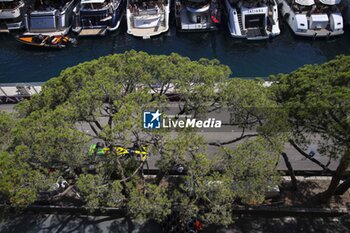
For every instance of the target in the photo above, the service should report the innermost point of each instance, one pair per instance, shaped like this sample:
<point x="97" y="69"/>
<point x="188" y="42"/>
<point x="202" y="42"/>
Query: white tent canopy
<point x="330" y="2"/>
<point x="305" y="2"/>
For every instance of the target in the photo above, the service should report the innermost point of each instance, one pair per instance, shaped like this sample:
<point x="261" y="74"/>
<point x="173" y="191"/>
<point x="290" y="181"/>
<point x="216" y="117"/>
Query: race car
<point x="99" y="149"/>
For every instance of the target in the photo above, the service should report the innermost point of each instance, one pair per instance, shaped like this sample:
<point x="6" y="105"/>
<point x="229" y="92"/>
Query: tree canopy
<point x="317" y="98"/>
<point x="103" y="101"/>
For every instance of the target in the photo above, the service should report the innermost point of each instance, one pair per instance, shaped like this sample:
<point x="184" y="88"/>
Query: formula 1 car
<point x="99" y="149"/>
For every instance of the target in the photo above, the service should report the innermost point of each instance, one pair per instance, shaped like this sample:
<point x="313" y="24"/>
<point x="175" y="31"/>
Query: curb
<point x="291" y="211"/>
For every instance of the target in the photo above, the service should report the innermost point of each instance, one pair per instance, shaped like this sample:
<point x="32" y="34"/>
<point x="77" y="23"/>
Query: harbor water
<point x="283" y="54"/>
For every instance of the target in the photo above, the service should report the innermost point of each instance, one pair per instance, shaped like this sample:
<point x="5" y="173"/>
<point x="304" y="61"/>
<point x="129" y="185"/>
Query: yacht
<point x="11" y="15"/>
<point x="194" y="15"/>
<point x="50" y="17"/>
<point x="146" y="18"/>
<point x="313" y="19"/>
<point x="252" y="20"/>
<point x="96" y="17"/>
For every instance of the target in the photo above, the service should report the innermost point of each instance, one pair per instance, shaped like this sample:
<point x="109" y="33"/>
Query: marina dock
<point x="13" y="93"/>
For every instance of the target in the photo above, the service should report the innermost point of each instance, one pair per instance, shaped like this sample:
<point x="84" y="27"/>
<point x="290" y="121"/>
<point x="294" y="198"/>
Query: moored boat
<point x="46" y="41"/>
<point x="50" y="17"/>
<point x="197" y="15"/>
<point x="146" y="18"/>
<point x="96" y="17"/>
<point x="11" y="15"/>
<point x="252" y="20"/>
<point x="309" y="18"/>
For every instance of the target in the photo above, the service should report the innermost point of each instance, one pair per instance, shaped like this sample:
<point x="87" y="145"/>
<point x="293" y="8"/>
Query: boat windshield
<point x="146" y="4"/>
<point x="323" y="8"/>
<point x="317" y="8"/>
<point x="196" y="3"/>
<point x="300" y="8"/>
<point x="94" y="6"/>
<point x="251" y="3"/>
<point x="48" y="5"/>
<point x="9" y="5"/>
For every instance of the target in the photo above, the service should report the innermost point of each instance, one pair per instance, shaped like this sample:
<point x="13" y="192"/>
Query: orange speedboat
<point x="46" y="41"/>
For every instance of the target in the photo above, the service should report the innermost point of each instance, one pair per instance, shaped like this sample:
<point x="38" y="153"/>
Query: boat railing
<point x="13" y="7"/>
<point x="96" y="7"/>
<point x="150" y="11"/>
<point x="50" y="8"/>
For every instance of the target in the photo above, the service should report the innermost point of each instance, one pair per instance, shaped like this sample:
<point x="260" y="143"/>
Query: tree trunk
<point x="290" y="170"/>
<point x="343" y="187"/>
<point x="343" y="165"/>
<point x="123" y="182"/>
<point x="159" y="177"/>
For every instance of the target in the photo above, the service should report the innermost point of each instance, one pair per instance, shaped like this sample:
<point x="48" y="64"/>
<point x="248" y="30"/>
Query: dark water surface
<point x="19" y="63"/>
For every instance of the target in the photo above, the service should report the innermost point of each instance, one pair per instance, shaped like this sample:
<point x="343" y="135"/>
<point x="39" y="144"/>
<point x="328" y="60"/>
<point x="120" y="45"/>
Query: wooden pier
<point x="93" y="32"/>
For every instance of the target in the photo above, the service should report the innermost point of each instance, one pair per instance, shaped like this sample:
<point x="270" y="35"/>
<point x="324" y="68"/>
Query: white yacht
<point x="50" y="17"/>
<point x="146" y="18"/>
<point x="313" y="19"/>
<point x="11" y="15"/>
<point x="252" y="20"/>
<point x="194" y="15"/>
<point x="96" y="17"/>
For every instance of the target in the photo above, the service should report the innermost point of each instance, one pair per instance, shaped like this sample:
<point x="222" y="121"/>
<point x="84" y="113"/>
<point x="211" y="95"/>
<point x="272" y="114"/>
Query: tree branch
<point x="325" y="168"/>
<point x="98" y="124"/>
<point x="232" y="141"/>
<point x="93" y="128"/>
<point x="133" y="174"/>
<point x="291" y="171"/>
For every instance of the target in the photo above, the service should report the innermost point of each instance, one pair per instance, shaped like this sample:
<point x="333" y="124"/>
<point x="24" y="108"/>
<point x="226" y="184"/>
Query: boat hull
<point x="12" y="19"/>
<point x="50" y="22"/>
<point x="56" y="42"/>
<point x="300" y="23"/>
<point x="265" y="17"/>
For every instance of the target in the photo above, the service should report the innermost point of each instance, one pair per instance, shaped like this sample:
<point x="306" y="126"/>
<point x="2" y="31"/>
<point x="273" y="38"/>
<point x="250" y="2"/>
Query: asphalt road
<point x="298" y="161"/>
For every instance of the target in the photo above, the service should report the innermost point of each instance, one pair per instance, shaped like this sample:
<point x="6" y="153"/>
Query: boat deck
<point x="47" y="33"/>
<point x="320" y="33"/>
<point x="93" y="32"/>
<point x="256" y="33"/>
<point x="147" y="32"/>
<point x="3" y="27"/>
<point x="3" y="30"/>
<point x="186" y="24"/>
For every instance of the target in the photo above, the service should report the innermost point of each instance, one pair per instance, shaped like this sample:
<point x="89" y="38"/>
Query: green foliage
<point x="97" y="193"/>
<point x="177" y="147"/>
<point x="52" y="138"/>
<point x="19" y="182"/>
<point x="317" y="98"/>
<point x="251" y="106"/>
<point x="209" y="190"/>
<point x="103" y="100"/>
<point x="252" y="168"/>
<point x="150" y="202"/>
<point x="7" y="123"/>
